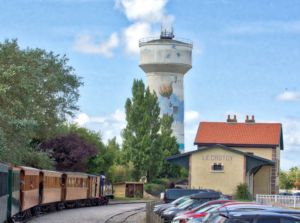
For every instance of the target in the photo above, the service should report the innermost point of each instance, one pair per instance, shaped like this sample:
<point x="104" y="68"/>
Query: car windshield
<point x="201" y="206"/>
<point x="185" y="204"/>
<point x="180" y="200"/>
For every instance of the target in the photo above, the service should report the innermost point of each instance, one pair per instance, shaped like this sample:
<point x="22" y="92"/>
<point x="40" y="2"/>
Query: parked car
<point x="234" y="207"/>
<point x="170" y="213"/>
<point x="296" y="194"/>
<point x="172" y="194"/>
<point x="195" y="201"/>
<point x="284" y="211"/>
<point x="252" y="217"/>
<point x="161" y="207"/>
<point x="201" y="213"/>
<point x="182" y="216"/>
<point x="285" y="194"/>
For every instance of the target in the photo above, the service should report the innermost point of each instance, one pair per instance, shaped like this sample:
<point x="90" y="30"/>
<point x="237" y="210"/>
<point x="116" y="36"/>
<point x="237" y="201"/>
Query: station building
<point x="229" y="153"/>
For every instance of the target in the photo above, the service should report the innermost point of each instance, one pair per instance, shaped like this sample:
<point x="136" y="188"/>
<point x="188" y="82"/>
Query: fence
<point x="279" y="200"/>
<point x="151" y="217"/>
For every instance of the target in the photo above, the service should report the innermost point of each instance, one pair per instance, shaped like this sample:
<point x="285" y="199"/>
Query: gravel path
<point x="129" y="213"/>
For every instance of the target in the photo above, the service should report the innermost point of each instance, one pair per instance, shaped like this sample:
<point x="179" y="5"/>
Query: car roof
<point x="209" y="203"/>
<point x="245" y="206"/>
<point x="258" y="213"/>
<point x="209" y="195"/>
<point x="282" y="210"/>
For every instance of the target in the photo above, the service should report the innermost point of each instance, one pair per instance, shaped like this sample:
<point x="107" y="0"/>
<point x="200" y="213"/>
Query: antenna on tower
<point x="166" y="33"/>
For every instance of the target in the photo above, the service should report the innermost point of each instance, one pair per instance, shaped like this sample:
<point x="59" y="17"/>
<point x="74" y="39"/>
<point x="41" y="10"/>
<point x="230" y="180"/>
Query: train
<point x="27" y="191"/>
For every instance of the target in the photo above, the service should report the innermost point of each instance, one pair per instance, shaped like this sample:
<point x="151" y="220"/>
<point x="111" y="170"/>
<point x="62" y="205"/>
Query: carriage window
<point x="4" y="182"/>
<point x="217" y="167"/>
<point x="16" y="181"/>
<point x="31" y="182"/>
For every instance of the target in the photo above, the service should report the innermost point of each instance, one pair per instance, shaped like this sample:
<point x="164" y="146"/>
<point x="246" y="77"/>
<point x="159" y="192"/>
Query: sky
<point x="246" y="57"/>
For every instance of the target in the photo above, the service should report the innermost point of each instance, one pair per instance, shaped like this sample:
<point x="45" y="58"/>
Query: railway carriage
<point x="50" y="187"/>
<point x="26" y="191"/>
<point x="3" y="191"/>
<point x="75" y="189"/>
<point x="30" y="196"/>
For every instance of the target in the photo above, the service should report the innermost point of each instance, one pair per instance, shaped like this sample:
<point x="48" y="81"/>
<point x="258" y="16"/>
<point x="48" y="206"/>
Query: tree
<point x="70" y="152"/>
<point x="114" y="149"/>
<point x="38" y="91"/>
<point x="140" y="137"/>
<point x="285" y="182"/>
<point x="169" y="147"/>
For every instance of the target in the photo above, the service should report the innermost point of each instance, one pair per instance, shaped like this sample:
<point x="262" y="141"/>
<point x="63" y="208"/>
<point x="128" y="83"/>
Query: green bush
<point x="242" y="192"/>
<point x="120" y="173"/>
<point x="37" y="159"/>
<point x="154" y="189"/>
<point x="162" y="181"/>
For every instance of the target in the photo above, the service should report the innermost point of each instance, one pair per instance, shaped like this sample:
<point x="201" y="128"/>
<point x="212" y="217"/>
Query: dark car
<point x="161" y="207"/>
<point x="194" y="201"/>
<point x="253" y="217"/>
<point x="296" y="194"/>
<point x="285" y="194"/>
<point x="235" y="207"/>
<point x="284" y="211"/>
<point x="173" y="194"/>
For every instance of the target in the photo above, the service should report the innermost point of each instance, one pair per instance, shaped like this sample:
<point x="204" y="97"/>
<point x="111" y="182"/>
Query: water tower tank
<point x="165" y="60"/>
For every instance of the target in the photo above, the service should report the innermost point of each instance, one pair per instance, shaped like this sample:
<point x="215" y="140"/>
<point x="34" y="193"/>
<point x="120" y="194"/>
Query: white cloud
<point x="82" y="119"/>
<point x="191" y="116"/>
<point x="289" y="96"/>
<point x="85" y="44"/>
<point x="144" y="14"/>
<point x="291" y="134"/>
<point x="142" y="10"/>
<point x="134" y="33"/>
<point x="190" y="131"/>
<point x="192" y="120"/>
<point x="109" y="125"/>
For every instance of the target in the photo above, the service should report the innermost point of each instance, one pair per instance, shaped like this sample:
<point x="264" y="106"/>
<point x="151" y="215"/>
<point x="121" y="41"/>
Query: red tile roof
<point x="268" y="134"/>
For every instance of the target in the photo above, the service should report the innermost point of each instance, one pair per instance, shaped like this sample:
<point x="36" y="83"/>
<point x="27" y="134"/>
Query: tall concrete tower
<point x="165" y="60"/>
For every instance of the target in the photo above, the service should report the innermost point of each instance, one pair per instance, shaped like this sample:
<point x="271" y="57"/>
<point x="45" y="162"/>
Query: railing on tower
<point x="144" y="41"/>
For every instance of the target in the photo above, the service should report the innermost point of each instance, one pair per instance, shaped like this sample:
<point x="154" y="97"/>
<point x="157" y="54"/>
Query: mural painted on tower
<point x="168" y="88"/>
<point x="165" y="60"/>
<point x="170" y="104"/>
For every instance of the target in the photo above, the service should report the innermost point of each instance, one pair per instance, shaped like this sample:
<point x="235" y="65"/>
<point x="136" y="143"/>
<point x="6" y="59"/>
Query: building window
<point x="217" y="167"/>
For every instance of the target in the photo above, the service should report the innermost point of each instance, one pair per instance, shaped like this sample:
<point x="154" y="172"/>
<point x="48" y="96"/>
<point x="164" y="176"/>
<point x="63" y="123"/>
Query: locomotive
<point x="27" y="192"/>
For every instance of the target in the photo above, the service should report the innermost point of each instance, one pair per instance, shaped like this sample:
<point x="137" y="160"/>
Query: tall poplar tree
<point x="141" y="135"/>
<point x="169" y="146"/>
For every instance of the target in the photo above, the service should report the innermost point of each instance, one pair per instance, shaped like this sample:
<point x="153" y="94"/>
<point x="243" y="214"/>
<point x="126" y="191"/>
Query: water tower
<point x="165" y="60"/>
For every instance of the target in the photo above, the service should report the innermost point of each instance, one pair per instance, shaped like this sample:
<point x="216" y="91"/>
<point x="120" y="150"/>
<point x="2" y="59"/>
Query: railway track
<point x="124" y="217"/>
